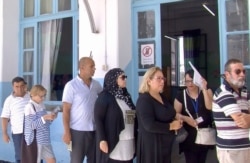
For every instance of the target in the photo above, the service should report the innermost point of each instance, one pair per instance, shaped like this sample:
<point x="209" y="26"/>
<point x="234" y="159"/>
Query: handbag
<point x="204" y="136"/>
<point x="181" y="135"/>
<point x="29" y="152"/>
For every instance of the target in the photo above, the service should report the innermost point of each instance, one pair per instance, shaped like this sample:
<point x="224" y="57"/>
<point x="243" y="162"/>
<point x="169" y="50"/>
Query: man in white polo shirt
<point x="78" y="99"/>
<point x="13" y="113"/>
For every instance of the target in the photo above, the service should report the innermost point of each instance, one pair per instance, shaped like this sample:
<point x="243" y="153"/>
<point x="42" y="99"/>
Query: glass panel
<point x="247" y="78"/>
<point x="29" y="80"/>
<point x="28" y="38"/>
<point x="28" y="64"/>
<point x="28" y="8"/>
<point x="238" y="47"/>
<point x="237" y="15"/>
<point x="56" y="56"/>
<point x="46" y="6"/>
<point x="64" y="5"/>
<point x="146" y="24"/>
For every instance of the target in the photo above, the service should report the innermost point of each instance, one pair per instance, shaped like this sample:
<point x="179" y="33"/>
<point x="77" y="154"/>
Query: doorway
<point x="191" y="20"/>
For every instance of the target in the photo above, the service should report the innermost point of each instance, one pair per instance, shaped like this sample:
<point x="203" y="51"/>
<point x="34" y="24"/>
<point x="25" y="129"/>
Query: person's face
<point x="236" y="76"/>
<point x="189" y="82"/>
<point x="19" y="89"/>
<point x="121" y="81"/>
<point x="88" y="69"/>
<point x="39" y="97"/>
<point x="156" y="83"/>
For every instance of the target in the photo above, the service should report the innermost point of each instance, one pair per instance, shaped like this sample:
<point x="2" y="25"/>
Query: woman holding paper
<point x="199" y="105"/>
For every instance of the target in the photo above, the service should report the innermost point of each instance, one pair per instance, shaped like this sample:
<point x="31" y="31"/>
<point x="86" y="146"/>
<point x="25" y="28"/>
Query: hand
<point x="204" y="84"/>
<point x="6" y="138"/>
<point x="104" y="146"/>
<point x="192" y="122"/>
<point x="66" y="137"/>
<point x="243" y="120"/>
<point x="175" y="125"/>
<point x="49" y="117"/>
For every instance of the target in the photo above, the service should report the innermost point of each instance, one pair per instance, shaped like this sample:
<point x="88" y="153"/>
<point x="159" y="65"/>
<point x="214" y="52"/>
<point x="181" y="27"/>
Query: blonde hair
<point x="36" y="89"/>
<point x="144" y="87"/>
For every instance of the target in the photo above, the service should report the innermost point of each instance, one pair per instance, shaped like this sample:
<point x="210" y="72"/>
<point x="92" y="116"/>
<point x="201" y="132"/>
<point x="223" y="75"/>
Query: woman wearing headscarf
<point x="114" y="117"/>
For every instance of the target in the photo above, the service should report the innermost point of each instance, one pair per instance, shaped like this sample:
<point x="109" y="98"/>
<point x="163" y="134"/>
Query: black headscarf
<point x="110" y="85"/>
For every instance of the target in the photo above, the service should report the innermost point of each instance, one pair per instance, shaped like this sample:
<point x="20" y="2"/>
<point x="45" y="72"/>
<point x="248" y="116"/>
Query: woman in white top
<point x="114" y="118"/>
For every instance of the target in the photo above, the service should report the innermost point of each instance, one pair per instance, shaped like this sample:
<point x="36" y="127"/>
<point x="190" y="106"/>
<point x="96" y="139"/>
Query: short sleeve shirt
<point x="82" y="99"/>
<point x="14" y="110"/>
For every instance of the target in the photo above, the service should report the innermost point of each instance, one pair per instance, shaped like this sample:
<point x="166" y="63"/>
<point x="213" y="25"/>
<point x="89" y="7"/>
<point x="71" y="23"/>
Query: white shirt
<point x="125" y="148"/>
<point x="82" y="98"/>
<point x="14" y="110"/>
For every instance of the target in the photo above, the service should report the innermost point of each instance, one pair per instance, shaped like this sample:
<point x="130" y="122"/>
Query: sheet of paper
<point x="197" y="80"/>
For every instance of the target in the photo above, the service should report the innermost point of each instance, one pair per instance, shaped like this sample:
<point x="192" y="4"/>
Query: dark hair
<point x="18" y="80"/>
<point x="190" y="73"/>
<point x="227" y="66"/>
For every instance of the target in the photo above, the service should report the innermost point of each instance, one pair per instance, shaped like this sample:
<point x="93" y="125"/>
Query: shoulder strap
<point x="33" y="107"/>
<point x="185" y="104"/>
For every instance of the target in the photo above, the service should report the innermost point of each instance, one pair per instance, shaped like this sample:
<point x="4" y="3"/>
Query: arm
<point x="208" y="95"/>
<point x="208" y="98"/>
<point x="100" y="109"/>
<point x="178" y="107"/>
<point x="242" y="120"/>
<point x="66" y="121"/>
<point x="145" y="111"/>
<point x="5" y="122"/>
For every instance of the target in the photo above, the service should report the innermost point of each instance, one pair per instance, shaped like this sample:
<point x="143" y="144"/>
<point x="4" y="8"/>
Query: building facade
<point x="43" y="41"/>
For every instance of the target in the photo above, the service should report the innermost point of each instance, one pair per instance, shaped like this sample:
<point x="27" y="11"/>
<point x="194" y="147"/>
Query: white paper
<point x="197" y="80"/>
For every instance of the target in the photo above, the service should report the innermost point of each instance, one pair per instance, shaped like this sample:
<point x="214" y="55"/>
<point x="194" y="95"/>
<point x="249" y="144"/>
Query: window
<point x="49" y="44"/>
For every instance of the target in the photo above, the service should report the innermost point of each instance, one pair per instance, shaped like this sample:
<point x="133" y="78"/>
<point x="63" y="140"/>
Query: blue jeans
<point x="17" y="140"/>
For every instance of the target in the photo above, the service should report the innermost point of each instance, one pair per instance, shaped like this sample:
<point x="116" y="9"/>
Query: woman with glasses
<point x="199" y="105"/>
<point x="157" y="121"/>
<point x="114" y="114"/>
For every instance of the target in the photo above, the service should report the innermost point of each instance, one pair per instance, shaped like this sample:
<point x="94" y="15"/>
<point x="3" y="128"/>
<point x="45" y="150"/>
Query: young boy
<point x="36" y="118"/>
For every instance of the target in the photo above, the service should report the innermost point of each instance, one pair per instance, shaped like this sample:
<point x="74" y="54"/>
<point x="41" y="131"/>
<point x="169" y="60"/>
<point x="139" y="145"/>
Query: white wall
<point x="111" y="46"/>
<point x="9" y="25"/>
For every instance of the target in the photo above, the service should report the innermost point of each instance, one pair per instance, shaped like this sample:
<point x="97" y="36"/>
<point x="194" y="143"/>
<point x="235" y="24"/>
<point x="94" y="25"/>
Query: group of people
<point x="106" y="126"/>
<point x="29" y="121"/>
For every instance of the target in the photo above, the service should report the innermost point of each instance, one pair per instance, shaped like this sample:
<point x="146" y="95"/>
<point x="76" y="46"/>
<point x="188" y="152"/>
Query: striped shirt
<point x="33" y="120"/>
<point x="225" y="103"/>
<point x="82" y="98"/>
<point x="13" y="109"/>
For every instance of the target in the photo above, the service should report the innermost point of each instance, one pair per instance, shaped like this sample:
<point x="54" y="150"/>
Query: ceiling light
<point x="208" y="9"/>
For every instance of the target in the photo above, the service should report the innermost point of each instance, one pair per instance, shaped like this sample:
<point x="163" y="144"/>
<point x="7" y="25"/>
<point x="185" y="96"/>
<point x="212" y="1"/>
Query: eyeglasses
<point x="238" y="71"/>
<point x="123" y="77"/>
<point x="160" y="78"/>
<point x="188" y="81"/>
<point x="42" y="96"/>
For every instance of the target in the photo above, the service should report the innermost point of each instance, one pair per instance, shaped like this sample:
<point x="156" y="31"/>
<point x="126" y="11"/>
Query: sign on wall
<point x="146" y="54"/>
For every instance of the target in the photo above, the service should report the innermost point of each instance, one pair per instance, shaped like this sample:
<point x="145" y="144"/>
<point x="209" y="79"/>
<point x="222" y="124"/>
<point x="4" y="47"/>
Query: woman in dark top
<point x="156" y="120"/>
<point x="114" y="114"/>
<point x="199" y="104"/>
